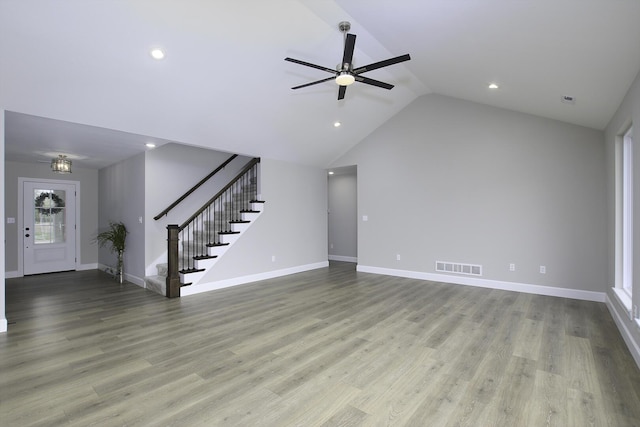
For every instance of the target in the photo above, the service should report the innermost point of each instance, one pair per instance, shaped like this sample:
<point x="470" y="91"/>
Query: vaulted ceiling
<point x="75" y="74"/>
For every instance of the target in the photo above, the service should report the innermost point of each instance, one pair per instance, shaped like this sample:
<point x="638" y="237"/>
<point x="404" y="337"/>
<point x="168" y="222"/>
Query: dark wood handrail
<point x="194" y="188"/>
<point x="244" y="170"/>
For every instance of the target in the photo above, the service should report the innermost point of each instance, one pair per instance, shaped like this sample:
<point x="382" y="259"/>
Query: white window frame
<point x="627" y="212"/>
<point x="624" y="220"/>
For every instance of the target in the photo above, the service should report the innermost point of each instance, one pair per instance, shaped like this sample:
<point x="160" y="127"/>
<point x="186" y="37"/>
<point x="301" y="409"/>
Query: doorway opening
<point x="342" y="213"/>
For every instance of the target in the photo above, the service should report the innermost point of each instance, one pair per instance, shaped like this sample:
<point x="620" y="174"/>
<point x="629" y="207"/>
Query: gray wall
<point x="343" y="215"/>
<point x="451" y="180"/>
<point x="628" y="113"/>
<point x="121" y="199"/>
<point x="88" y="179"/>
<point x="293" y="227"/>
<point x="170" y="171"/>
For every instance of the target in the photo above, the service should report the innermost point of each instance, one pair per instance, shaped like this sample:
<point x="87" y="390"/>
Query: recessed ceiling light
<point x="493" y="86"/>
<point x="150" y="145"/>
<point x="330" y="172"/>
<point x="337" y="124"/>
<point x="157" y="53"/>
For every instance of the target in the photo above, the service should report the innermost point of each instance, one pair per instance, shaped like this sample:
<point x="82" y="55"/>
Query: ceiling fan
<point x="345" y="74"/>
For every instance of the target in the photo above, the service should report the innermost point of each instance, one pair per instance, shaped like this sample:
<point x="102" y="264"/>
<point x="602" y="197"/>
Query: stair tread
<point x="228" y="232"/>
<point x="201" y="257"/>
<point x="213" y="245"/>
<point x="192" y="270"/>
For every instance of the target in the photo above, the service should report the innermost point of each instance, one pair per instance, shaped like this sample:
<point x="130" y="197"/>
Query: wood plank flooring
<point x="329" y="347"/>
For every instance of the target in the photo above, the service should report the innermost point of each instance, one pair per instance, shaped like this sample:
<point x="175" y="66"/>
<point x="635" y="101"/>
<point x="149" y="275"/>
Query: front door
<point x="49" y="227"/>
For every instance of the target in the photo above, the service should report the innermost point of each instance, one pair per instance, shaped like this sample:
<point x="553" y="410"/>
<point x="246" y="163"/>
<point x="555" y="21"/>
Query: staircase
<point x="215" y="251"/>
<point x="197" y="245"/>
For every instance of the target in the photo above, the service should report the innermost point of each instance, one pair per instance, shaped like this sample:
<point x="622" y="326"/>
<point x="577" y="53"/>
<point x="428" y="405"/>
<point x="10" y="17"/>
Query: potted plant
<point x="115" y="237"/>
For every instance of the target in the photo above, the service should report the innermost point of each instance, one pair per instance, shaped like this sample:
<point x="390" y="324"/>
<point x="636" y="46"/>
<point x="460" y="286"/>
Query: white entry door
<point x="49" y="227"/>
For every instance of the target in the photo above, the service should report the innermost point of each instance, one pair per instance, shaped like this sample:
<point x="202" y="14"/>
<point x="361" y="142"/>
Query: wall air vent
<point x="459" y="268"/>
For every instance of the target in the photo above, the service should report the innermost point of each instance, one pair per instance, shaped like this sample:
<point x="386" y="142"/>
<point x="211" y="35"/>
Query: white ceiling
<point x="224" y="83"/>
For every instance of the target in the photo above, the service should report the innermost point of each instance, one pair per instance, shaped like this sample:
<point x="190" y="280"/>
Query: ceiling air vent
<point x="459" y="268"/>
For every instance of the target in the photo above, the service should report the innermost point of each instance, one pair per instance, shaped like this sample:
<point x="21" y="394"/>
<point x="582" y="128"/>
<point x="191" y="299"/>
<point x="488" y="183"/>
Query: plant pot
<point x="120" y="272"/>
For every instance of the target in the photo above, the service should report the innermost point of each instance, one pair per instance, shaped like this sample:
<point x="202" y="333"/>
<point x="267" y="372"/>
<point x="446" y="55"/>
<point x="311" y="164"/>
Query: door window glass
<point x="49" y="216"/>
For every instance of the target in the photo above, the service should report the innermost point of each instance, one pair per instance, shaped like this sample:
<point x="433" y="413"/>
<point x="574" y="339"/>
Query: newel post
<point x="173" y="276"/>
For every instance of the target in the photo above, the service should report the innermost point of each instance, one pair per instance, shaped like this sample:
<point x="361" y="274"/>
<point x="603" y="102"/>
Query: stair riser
<point x="205" y="263"/>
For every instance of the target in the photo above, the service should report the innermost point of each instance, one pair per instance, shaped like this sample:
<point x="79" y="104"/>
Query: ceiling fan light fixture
<point x="345" y="78"/>
<point x="157" y="53"/>
<point x="61" y="164"/>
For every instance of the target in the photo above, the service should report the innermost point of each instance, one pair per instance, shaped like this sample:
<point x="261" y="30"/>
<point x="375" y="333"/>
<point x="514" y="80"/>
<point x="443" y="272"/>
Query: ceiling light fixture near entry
<point x="493" y="86"/>
<point x="61" y="164"/>
<point x="157" y="53"/>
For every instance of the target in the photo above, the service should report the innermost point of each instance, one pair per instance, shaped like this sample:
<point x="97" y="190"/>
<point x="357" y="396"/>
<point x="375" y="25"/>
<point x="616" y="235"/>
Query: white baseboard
<point x="211" y="286"/>
<point x="492" y="284"/>
<point x="3" y="325"/>
<point x="627" y="336"/>
<point x="128" y="277"/>
<point x="83" y="267"/>
<point x="343" y="258"/>
<point x="10" y="274"/>
<point x="135" y="280"/>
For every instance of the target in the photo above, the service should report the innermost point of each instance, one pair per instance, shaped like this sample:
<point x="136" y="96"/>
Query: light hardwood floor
<point x="329" y="347"/>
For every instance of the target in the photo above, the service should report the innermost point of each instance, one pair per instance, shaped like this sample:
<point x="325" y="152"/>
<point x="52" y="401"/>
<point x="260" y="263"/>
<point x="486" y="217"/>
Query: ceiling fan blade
<point x="349" y="45"/>
<point x="341" y="92"/>
<point x="381" y="64"/>
<point x="373" y="82"/>
<point x="314" y="83"/>
<point x="308" y="64"/>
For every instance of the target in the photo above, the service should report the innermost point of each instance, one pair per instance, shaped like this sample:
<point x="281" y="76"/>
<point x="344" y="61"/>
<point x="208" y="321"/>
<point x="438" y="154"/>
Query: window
<point x="624" y="219"/>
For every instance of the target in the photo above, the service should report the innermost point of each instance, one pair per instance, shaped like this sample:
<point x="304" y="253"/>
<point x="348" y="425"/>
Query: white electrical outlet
<point x="273" y="258"/>
<point x="512" y="267"/>
<point x="331" y="246"/>
<point x="398" y="257"/>
<point x="543" y="269"/>
<point x="365" y="218"/>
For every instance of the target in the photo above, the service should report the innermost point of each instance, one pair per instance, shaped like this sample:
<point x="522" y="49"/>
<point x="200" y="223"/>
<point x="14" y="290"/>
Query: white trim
<point x="627" y="336"/>
<point x="11" y="274"/>
<point x="83" y="267"/>
<point x="211" y="286"/>
<point x="623" y="298"/>
<point x="492" y="284"/>
<point x="343" y="258"/>
<point x="135" y="280"/>
<point x="3" y="325"/>
<point x="127" y="276"/>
